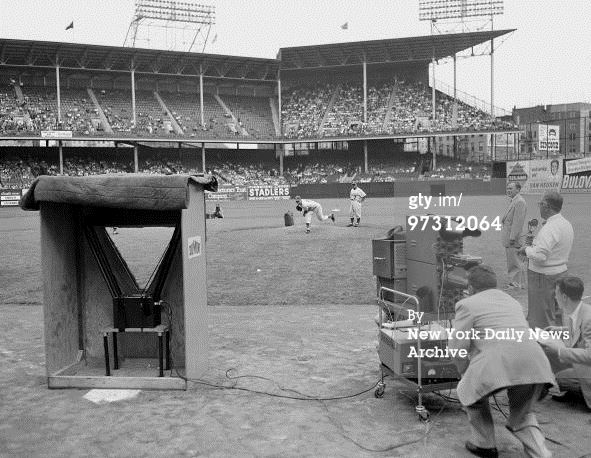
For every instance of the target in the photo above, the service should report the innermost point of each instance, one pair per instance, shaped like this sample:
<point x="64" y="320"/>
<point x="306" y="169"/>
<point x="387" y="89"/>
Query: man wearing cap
<point x="356" y="196"/>
<point x="309" y="207"/>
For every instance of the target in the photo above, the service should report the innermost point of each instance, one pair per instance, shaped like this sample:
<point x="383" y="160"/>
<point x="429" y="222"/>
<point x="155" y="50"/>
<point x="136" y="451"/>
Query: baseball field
<point x="291" y="315"/>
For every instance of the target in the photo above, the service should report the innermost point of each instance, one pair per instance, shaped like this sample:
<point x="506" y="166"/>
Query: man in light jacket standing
<point x="512" y="233"/>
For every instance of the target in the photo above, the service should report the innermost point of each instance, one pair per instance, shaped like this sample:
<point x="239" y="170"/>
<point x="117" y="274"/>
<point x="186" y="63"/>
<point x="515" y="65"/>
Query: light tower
<point x="172" y="25"/>
<point x="463" y="16"/>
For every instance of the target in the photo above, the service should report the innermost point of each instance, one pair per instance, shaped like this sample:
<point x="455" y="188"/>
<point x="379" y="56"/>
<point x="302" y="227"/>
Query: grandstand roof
<point x="411" y="49"/>
<point x="73" y="56"/>
<point x="82" y="57"/>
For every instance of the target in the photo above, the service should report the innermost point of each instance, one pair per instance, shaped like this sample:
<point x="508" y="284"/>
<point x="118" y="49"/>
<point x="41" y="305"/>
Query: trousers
<point x="541" y="304"/>
<point x="521" y="422"/>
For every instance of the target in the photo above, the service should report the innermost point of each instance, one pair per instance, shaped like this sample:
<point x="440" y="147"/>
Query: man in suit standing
<point x="512" y="233"/>
<point x="571" y="357"/>
<point x="548" y="257"/>
<point x="496" y="363"/>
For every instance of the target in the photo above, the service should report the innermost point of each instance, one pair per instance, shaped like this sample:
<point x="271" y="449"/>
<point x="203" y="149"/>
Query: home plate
<point x="104" y="396"/>
<point x="334" y="210"/>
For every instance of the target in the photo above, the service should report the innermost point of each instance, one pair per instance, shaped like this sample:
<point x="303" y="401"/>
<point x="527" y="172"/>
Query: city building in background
<point x="554" y="130"/>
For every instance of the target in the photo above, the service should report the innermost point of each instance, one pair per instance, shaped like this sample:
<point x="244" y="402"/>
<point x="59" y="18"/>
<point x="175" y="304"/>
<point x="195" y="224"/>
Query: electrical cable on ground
<point x="250" y="390"/>
<point x="305" y="397"/>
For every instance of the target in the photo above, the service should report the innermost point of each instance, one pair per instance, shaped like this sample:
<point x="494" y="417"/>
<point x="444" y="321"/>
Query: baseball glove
<point x="299" y="208"/>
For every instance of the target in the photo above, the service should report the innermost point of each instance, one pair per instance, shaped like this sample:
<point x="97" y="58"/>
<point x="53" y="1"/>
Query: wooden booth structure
<point x="101" y="329"/>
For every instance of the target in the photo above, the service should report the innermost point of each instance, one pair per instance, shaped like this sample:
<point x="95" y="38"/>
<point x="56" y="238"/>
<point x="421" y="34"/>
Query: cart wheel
<point x="424" y="415"/>
<point x="379" y="392"/>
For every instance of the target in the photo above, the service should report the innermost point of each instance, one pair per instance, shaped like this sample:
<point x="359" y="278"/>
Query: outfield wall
<point x="495" y="186"/>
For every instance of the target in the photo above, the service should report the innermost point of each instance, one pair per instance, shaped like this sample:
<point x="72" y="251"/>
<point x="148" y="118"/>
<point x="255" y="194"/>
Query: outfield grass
<point x="253" y="259"/>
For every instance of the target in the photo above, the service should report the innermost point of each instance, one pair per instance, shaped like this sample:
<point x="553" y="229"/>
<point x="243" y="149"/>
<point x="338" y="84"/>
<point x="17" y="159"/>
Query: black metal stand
<point x="163" y="334"/>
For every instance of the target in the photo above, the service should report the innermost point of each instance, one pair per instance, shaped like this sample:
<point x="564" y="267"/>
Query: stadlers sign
<point x="268" y="192"/>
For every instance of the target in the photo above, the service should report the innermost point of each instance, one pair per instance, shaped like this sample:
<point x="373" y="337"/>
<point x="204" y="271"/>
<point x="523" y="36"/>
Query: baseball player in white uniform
<point x="356" y="196"/>
<point x="309" y="207"/>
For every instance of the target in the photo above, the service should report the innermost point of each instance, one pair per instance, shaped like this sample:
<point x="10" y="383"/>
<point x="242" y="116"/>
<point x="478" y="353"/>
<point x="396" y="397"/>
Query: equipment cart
<point x="400" y="346"/>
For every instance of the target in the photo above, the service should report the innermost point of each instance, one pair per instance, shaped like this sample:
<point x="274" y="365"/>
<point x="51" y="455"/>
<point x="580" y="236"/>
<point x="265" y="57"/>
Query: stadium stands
<point x="320" y="110"/>
<point x="116" y="104"/>
<point x="252" y="113"/>
<point x="317" y="106"/>
<point x="303" y="109"/>
<point x="18" y="173"/>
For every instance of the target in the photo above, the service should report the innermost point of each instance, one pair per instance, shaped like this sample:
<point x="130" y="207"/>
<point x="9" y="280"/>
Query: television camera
<point x="420" y="270"/>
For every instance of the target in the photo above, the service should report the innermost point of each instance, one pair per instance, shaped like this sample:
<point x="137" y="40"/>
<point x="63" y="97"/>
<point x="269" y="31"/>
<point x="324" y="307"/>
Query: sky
<point x="547" y="60"/>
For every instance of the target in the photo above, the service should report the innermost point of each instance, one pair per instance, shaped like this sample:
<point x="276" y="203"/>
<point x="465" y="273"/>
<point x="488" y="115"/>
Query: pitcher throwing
<point x="309" y="207"/>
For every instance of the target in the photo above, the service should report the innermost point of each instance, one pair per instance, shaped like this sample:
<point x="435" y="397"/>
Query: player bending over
<point x="309" y="207"/>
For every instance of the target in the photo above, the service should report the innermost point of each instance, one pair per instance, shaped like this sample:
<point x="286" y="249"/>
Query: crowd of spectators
<point x="395" y="107"/>
<point x="346" y="114"/>
<point x="244" y="174"/>
<point x="448" y="168"/>
<point x="318" y="172"/>
<point x="32" y="109"/>
<point x="17" y="173"/>
<point x="303" y="109"/>
<point x="318" y="110"/>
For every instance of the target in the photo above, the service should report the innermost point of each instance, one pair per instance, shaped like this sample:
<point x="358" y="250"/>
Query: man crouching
<point x="521" y="367"/>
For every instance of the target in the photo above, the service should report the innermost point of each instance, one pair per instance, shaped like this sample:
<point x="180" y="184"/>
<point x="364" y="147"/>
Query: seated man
<point x="570" y="358"/>
<point x="518" y="365"/>
<point x="218" y="212"/>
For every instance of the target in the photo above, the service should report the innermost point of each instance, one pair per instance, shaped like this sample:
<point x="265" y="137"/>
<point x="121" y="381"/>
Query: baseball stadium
<point x="218" y="255"/>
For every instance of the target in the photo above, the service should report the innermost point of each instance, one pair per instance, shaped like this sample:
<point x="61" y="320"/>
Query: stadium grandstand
<point x="360" y="111"/>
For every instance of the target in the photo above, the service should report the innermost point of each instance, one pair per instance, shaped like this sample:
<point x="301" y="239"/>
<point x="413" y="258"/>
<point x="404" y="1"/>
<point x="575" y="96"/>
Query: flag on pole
<point x="345" y="26"/>
<point x="71" y="26"/>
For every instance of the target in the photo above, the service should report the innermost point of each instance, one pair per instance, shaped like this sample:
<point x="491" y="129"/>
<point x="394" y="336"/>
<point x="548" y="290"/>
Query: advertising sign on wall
<point x="536" y="176"/>
<point x="227" y="193"/>
<point x="56" y="134"/>
<point x="268" y="192"/>
<point x="10" y="198"/>
<point x="548" y="138"/>
<point x="577" y="178"/>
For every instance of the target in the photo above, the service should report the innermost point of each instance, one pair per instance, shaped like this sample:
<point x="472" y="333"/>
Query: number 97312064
<point x="457" y="223"/>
